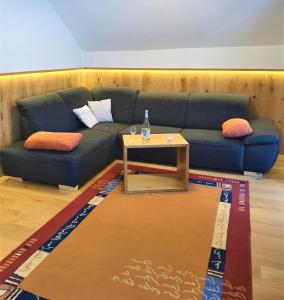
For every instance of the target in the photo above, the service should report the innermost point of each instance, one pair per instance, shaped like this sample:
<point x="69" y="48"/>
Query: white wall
<point x="33" y="37"/>
<point x="135" y="34"/>
<point x="257" y="57"/>
<point x="1" y="39"/>
<point x="177" y="33"/>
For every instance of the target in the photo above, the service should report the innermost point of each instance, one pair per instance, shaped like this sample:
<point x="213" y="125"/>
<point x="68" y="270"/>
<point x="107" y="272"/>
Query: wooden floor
<point x="24" y="207"/>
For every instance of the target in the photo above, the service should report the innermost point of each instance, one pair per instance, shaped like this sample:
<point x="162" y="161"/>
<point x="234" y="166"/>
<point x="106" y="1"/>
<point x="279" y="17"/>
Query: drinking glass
<point x="132" y="131"/>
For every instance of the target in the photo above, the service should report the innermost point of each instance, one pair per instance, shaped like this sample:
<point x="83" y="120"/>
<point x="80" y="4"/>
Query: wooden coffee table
<point x="138" y="183"/>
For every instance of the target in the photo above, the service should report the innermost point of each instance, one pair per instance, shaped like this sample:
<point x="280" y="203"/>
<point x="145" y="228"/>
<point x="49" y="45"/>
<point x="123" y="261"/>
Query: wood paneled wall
<point x="18" y="86"/>
<point x="265" y="87"/>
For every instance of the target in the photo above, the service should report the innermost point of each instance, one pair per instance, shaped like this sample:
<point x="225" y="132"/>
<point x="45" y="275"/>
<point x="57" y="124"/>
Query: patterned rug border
<point x="221" y="267"/>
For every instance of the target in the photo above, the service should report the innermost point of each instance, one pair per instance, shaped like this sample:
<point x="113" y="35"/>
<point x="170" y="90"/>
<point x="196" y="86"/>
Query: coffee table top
<point x="156" y="141"/>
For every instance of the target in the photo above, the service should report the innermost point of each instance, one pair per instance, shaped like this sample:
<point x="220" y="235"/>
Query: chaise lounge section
<point x="198" y="117"/>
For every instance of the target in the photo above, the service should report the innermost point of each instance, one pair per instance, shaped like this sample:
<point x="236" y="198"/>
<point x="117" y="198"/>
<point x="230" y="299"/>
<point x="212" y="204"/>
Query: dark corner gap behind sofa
<point x="198" y="117"/>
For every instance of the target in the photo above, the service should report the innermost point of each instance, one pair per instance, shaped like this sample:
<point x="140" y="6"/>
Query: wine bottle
<point x="146" y="130"/>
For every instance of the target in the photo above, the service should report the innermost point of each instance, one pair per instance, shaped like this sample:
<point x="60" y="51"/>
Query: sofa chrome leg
<point x="253" y="174"/>
<point x="16" y="179"/>
<point x="68" y="188"/>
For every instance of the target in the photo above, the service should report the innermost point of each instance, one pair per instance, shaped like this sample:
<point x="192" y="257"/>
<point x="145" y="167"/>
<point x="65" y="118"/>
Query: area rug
<point x="185" y="245"/>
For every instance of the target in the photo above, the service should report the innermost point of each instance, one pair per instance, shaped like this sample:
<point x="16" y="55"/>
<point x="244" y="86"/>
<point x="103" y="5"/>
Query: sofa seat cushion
<point x="111" y="127"/>
<point x="97" y="148"/>
<point x="264" y="132"/>
<point x="92" y="140"/>
<point x="209" y="149"/>
<point x="157" y="155"/>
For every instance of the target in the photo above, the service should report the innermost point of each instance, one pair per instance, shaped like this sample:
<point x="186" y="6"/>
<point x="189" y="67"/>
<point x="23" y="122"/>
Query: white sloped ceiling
<point x="167" y="24"/>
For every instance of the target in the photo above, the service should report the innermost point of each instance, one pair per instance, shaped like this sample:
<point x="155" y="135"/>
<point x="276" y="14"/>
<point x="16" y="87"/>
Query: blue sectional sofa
<point x="198" y="117"/>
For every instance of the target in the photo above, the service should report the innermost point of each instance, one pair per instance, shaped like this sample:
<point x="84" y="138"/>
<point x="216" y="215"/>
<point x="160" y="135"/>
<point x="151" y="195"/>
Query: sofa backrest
<point x="209" y="111"/>
<point x="46" y="112"/>
<point x="75" y="98"/>
<point x="53" y="111"/>
<point x="122" y="101"/>
<point x="165" y="109"/>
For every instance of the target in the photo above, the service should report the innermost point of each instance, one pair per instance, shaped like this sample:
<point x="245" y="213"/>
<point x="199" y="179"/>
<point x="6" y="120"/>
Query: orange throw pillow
<point x="60" y="141"/>
<point x="235" y="128"/>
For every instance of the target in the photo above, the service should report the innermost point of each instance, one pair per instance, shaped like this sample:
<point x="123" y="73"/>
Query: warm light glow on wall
<point x="264" y="86"/>
<point x="183" y="70"/>
<point x="123" y="70"/>
<point x="42" y="72"/>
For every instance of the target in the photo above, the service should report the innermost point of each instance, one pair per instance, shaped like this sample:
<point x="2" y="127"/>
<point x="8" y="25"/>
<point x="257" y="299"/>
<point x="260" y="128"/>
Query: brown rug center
<point x="149" y="246"/>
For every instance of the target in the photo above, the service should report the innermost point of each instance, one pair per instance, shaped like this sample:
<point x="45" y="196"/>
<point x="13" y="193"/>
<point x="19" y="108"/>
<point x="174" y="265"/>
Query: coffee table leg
<point x="182" y="164"/>
<point x="125" y="169"/>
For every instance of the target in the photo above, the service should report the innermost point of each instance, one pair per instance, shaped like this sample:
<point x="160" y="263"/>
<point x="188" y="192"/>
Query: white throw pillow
<point x="85" y="115"/>
<point x="102" y="110"/>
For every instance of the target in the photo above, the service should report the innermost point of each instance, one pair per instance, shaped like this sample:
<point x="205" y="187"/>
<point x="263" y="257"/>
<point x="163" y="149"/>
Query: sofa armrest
<point x="264" y="132"/>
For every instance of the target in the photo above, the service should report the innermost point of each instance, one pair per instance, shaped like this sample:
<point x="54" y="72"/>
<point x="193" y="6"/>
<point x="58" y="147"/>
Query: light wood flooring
<point x="24" y="207"/>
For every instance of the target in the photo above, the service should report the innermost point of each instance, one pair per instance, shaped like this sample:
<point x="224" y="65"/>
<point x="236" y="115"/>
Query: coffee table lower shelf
<point x="154" y="183"/>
